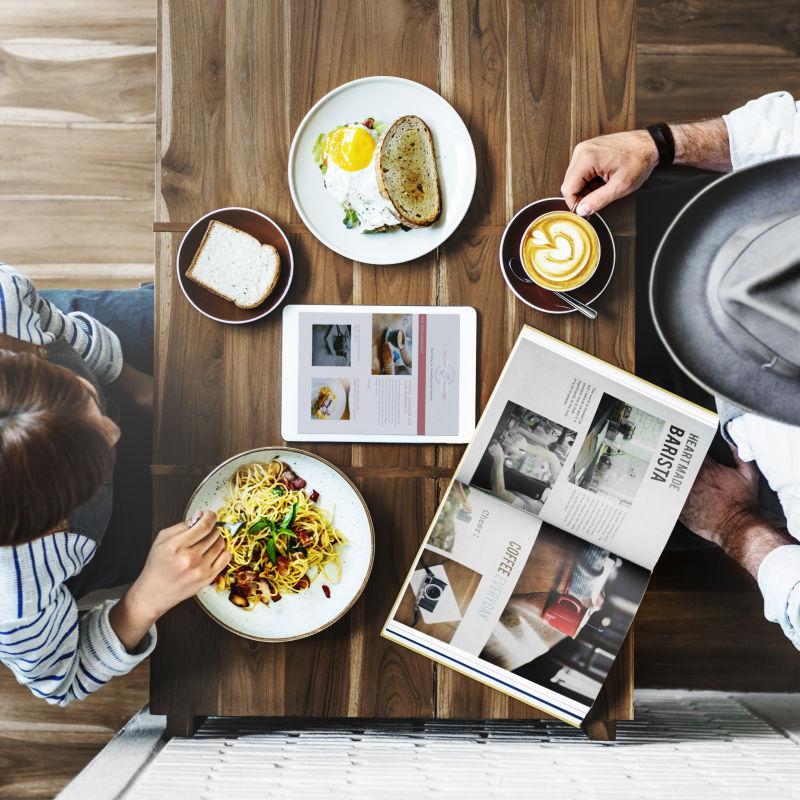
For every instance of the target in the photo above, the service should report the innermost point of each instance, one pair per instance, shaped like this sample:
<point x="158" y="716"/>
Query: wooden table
<point x="530" y="80"/>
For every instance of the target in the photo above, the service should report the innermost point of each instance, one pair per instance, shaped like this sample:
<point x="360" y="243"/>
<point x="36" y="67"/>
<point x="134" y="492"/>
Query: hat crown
<point x="753" y="291"/>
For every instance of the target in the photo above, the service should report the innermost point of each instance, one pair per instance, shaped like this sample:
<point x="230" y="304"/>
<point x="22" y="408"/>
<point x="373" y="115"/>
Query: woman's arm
<point x="63" y="656"/>
<point x="58" y="654"/>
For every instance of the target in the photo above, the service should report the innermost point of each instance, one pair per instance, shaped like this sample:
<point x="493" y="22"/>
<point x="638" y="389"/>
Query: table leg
<point x="601" y="730"/>
<point x="182" y="725"/>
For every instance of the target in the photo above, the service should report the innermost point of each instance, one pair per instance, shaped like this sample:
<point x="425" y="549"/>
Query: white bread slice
<point x="235" y="265"/>
<point x="406" y="172"/>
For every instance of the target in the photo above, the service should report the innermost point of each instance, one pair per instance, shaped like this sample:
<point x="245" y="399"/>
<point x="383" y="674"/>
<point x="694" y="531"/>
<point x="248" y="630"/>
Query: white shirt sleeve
<point x="31" y="318"/>
<point x="775" y="447"/>
<point x="764" y="129"/>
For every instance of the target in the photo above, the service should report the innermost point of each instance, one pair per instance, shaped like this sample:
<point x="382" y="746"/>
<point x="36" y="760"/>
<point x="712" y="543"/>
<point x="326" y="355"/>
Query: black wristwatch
<point x="664" y="141"/>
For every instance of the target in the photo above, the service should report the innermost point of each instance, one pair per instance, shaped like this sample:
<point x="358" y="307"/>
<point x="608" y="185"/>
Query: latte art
<point x="560" y="250"/>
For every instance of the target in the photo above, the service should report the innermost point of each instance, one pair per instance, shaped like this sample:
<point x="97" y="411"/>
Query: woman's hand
<point x="133" y="388"/>
<point x="182" y="560"/>
<point x="623" y="161"/>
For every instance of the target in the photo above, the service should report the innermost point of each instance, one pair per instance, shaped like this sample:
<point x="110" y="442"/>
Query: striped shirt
<point x="59" y="654"/>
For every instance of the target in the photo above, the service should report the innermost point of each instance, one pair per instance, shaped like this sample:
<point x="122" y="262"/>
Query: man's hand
<point x="722" y="508"/>
<point x="721" y="499"/>
<point x="623" y="160"/>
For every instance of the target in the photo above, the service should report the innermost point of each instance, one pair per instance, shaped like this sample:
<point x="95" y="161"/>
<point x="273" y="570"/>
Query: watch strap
<point x="664" y="141"/>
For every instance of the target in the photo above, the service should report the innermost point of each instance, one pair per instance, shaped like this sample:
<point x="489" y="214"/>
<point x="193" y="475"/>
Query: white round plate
<point x="337" y="387"/>
<point x="300" y="615"/>
<point x="384" y="98"/>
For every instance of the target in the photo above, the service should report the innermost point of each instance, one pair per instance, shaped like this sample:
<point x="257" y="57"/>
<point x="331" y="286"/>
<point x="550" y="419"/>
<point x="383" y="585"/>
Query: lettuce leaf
<point x="317" y="151"/>
<point x="350" y="218"/>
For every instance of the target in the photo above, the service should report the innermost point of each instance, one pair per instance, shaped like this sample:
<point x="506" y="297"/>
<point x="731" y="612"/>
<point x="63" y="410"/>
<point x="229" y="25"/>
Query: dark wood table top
<point x="530" y="79"/>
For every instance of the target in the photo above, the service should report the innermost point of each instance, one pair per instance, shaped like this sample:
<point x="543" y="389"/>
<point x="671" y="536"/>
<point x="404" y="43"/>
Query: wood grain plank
<point x="191" y="110"/>
<point x="725" y="27"/>
<point x="538" y="89"/>
<point x="472" y="42"/>
<point x="102" y="89"/>
<point x="687" y="87"/>
<point x="45" y="230"/>
<point x="189" y="366"/>
<point x="130" y="22"/>
<point x="580" y="96"/>
<point x="89" y="276"/>
<point x="101" y="161"/>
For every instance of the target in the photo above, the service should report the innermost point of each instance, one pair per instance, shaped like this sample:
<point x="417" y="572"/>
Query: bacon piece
<point x="303" y="583"/>
<point x="304" y="538"/>
<point x="238" y="599"/>
<point x="283" y="565"/>
<point x="245" y="578"/>
<point x="326" y="589"/>
<point x="314" y="496"/>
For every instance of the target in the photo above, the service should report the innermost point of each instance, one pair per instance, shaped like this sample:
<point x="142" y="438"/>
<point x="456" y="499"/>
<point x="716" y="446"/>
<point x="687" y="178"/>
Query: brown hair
<point x="53" y="456"/>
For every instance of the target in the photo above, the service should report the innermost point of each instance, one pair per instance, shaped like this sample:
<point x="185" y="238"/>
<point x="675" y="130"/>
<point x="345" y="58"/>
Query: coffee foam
<point x="560" y="250"/>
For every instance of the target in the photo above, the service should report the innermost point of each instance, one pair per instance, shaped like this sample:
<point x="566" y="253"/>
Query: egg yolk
<point x="350" y="148"/>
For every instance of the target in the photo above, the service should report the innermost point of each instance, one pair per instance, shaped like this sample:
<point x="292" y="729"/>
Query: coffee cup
<point x="559" y="251"/>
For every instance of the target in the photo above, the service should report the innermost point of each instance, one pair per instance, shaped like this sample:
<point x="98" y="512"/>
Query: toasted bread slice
<point x="235" y="265"/>
<point x="406" y="172"/>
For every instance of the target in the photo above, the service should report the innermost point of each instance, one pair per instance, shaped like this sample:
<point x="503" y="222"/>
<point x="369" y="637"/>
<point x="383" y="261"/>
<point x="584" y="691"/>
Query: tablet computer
<point x="378" y="373"/>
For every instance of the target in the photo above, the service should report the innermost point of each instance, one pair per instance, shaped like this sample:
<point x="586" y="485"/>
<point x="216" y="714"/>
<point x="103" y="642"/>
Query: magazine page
<point x="588" y="448"/>
<point x="370" y="373"/>
<point x="517" y="604"/>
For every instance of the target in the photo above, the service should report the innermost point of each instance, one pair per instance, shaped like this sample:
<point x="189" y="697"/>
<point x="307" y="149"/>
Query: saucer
<point x="535" y="296"/>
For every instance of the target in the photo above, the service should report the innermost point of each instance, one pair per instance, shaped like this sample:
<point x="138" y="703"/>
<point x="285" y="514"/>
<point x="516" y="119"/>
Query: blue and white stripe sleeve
<point x="26" y="315"/>
<point x="59" y="654"/>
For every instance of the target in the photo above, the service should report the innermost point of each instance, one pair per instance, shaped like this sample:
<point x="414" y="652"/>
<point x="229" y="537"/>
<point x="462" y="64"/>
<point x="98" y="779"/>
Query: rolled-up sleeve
<point x="779" y="581"/>
<point x="24" y="313"/>
<point x="764" y="129"/>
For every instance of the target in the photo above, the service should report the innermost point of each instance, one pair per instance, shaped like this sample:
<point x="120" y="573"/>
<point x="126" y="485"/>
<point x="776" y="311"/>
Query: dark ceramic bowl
<point x="256" y="224"/>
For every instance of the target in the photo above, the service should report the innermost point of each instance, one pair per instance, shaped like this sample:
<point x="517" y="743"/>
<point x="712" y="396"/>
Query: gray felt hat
<point x="725" y="289"/>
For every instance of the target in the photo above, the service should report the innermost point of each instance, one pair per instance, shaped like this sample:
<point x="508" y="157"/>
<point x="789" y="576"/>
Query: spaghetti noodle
<point x="284" y="541"/>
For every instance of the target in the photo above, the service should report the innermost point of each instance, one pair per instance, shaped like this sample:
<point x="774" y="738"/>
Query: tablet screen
<point x="378" y="373"/>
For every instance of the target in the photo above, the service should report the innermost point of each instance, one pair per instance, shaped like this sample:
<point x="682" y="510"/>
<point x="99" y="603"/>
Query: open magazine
<point x="540" y="552"/>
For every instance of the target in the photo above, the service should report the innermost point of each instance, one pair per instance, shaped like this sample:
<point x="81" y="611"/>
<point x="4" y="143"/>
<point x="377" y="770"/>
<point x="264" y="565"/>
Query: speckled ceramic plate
<point x="307" y="613"/>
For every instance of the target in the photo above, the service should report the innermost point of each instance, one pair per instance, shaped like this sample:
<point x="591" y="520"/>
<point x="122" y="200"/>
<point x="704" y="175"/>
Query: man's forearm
<point x="750" y="540"/>
<point x="702" y="144"/>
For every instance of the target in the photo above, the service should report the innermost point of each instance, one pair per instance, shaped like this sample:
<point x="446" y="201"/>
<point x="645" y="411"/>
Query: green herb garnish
<point x="260" y="524"/>
<point x="290" y="516"/>
<point x="270" y="544"/>
<point x="350" y="218"/>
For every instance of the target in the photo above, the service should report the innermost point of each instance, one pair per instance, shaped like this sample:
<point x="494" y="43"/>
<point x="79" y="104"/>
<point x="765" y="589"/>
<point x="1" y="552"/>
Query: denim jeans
<point x="124" y="547"/>
<point x="127" y="312"/>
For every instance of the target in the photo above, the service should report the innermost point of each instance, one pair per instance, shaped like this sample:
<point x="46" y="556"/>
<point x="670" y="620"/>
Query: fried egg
<point x="349" y="156"/>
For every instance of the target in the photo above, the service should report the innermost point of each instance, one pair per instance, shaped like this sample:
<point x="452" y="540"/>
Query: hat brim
<point x="678" y="287"/>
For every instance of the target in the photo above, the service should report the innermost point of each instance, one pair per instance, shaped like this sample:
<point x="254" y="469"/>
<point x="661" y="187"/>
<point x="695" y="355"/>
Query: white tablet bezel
<point x="468" y="338"/>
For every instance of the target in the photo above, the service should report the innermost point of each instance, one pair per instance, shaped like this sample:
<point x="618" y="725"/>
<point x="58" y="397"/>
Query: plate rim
<point x="367" y="575"/>
<point x="528" y="302"/>
<point x="205" y="313"/>
<point x="313" y="229"/>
